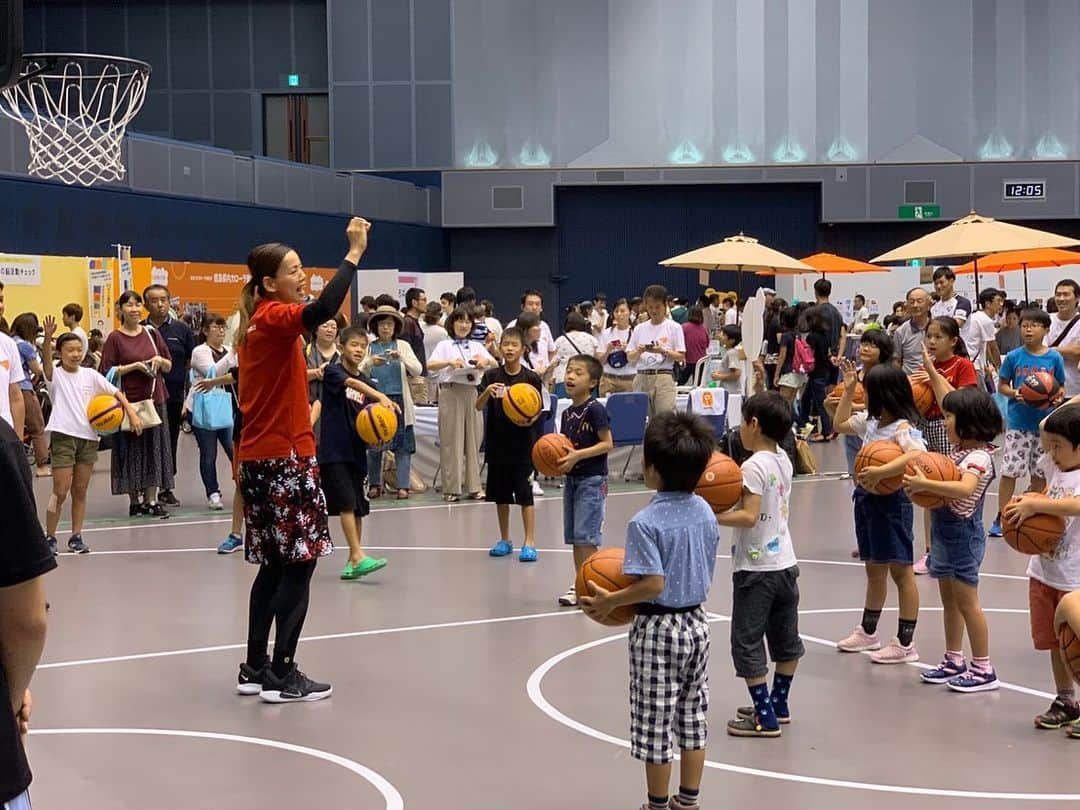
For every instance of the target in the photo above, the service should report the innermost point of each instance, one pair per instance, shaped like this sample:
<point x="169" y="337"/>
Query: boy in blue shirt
<point x="1022" y="448"/>
<point x="587" y="426"/>
<point x="671" y="545"/>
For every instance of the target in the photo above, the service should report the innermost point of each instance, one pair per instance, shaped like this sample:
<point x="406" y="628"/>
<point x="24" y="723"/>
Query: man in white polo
<point x="656" y="346"/>
<point x="949" y="304"/>
<point x="1064" y="334"/>
<point x="981" y="331"/>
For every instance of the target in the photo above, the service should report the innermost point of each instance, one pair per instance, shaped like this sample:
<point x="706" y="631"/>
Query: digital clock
<point x="1023" y="189"/>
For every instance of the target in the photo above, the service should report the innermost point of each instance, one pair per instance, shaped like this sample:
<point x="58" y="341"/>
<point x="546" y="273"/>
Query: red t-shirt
<point x="273" y="385"/>
<point x="959" y="371"/>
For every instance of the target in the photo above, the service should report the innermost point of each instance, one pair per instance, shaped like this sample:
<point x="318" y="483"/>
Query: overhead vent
<point x="920" y="191"/>
<point x="507" y="198"/>
<point x="610" y="177"/>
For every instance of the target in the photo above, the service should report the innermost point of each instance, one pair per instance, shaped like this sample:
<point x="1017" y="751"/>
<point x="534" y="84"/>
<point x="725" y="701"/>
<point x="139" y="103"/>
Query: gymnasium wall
<point x="212" y="59"/>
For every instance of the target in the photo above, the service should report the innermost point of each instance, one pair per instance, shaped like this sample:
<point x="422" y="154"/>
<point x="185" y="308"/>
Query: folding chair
<point x="628" y="413"/>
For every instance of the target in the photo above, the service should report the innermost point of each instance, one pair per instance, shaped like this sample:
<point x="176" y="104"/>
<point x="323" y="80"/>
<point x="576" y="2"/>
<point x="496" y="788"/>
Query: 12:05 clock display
<point x="1024" y="189"/>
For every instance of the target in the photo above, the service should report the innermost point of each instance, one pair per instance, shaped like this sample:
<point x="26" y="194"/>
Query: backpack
<point x="803" y="360"/>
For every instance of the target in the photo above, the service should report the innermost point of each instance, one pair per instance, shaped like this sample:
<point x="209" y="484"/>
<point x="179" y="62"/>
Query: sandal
<point x="374" y="492"/>
<point x="451" y="498"/>
<point x="403" y="494"/>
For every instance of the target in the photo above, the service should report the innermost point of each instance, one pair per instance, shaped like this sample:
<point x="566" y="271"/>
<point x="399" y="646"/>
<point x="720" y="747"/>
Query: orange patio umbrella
<point x="1021" y="260"/>
<point x="826" y="263"/>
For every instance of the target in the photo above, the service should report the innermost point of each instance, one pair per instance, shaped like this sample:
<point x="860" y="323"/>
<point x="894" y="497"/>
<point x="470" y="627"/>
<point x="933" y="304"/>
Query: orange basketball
<point x="522" y="403"/>
<point x="547" y="451"/>
<point x="605" y="569"/>
<point x="1068" y="638"/>
<point x="875" y="454"/>
<point x="105" y="414"/>
<point x="376" y="424"/>
<point x="936" y="467"/>
<point x="924" y="396"/>
<point x="721" y="483"/>
<point x="1039" y="534"/>
<point x="858" y="398"/>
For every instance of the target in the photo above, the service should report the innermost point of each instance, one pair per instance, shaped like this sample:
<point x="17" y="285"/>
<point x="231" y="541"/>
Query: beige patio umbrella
<point x="974" y="236"/>
<point x="739" y="253"/>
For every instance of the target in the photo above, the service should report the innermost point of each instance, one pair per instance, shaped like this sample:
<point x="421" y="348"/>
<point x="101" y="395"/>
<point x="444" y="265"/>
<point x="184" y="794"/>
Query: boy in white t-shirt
<point x="1051" y="576"/>
<point x="656" y="346"/>
<point x="728" y="368"/>
<point x="73" y="444"/>
<point x="765" y="604"/>
<point x="72" y="315"/>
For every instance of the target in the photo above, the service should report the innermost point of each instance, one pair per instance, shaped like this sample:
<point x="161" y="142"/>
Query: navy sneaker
<point x="943" y="672"/>
<point x="77" y="546"/>
<point x="230" y="544"/>
<point x="995" y="528"/>
<point x="52" y="545"/>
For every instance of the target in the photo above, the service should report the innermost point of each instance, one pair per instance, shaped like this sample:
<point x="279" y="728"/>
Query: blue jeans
<point x="813" y="401"/>
<point x="208" y="441"/>
<point x="402" y="461"/>
<point x="583" y="509"/>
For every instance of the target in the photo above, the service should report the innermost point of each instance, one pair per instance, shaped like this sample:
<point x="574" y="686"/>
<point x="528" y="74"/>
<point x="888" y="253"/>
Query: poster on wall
<point x="24" y="271"/>
<point x="127" y="274"/>
<point x="100" y="298"/>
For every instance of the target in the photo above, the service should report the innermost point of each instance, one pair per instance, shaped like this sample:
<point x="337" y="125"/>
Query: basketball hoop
<point x="75" y="108"/>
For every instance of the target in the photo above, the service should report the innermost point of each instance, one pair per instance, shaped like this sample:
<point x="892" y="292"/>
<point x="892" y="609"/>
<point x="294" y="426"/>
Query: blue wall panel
<point x="38" y="217"/>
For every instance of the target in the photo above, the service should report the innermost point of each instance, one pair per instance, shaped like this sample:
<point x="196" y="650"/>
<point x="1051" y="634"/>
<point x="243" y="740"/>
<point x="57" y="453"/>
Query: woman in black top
<point x="813" y="398"/>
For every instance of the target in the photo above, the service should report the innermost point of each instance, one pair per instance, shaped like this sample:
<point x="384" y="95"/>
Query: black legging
<point x="279" y="595"/>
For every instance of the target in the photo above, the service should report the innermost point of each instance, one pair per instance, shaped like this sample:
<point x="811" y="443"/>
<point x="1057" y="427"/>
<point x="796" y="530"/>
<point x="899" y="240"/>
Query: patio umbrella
<point x="826" y="263"/>
<point x="738" y="253"/>
<point x="974" y="236"/>
<point x="1022" y="260"/>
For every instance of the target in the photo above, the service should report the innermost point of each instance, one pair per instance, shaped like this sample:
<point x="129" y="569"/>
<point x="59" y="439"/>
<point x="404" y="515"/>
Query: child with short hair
<point x="972" y="420"/>
<point x="1051" y="576"/>
<point x="671" y="545"/>
<point x="1022" y="447"/>
<point x="585" y="422"/>
<point x="728" y="370"/>
<point x="509" y="446"/>
<point x="765" y="604"/>
<point x="656" y="346"/>
<point x="883" y="523"/>
<point x="342" y="453"/>
<point x="73" y="443"/>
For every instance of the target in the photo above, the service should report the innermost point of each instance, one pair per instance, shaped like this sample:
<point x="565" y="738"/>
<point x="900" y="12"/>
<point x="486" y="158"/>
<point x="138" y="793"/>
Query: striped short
<point x="669" y="685"/>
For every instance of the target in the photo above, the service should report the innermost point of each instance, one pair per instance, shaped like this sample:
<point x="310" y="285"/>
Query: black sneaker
<point x="166" y="497"/>
<point x="296" y="687"/>
<point x="250" y="680"/>
<point x="52" y="544"/>
<point x="156" y="510"/>
<point x="1061" y="713"/>
<point x="137" y="509"/>
<point x="77" y="546"/>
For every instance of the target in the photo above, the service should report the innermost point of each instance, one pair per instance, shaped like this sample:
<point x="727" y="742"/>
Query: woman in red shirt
<point x="696" y="337"/>
<point x="284" y="506"/>
<point x="946" y="367"/>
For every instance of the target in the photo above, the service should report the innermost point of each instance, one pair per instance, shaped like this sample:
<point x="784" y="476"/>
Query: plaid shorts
<point x="1022" y="454"/>
<point x="936" y="435"/>
<point x="669" y="684"/>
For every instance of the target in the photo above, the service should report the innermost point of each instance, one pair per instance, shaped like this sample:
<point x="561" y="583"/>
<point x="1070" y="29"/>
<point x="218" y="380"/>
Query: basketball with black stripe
<point x="522" y="403"/>
<point x="105" y="414"/>
<point x="376" y="424"/>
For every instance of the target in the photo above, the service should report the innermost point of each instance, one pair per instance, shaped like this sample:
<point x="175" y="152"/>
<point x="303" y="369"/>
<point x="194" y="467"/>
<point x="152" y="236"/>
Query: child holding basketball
<point x="671" y="544"/>
<point x="883" y="523"/>
<point x="1022" y="447"/>
<point x="973" y="421"/>
<point x="765" y="604"/>
<point x="73" y="444"/>
<point x="587" y="426"/>
<point x="509" y="445"/>
<point x="342" y="453"/>
<point x="1051" y="576"/>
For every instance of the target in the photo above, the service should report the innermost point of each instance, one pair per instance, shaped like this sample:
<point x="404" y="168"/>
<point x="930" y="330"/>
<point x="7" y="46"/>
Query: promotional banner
<point x="100" y="289"/>
<point x="22" y="271"/>
<point x="127" y="276"/>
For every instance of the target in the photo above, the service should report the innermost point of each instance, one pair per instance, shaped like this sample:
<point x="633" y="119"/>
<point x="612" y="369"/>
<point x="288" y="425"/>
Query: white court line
<point x="533" y="687"/>
<point x="380" y="783"/>
<point x="328" y="637"/>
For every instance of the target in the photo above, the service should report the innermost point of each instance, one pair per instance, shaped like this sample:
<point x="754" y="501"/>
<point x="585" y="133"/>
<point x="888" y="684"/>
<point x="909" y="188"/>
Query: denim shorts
<point x="583" y="509"/>
<point x="958" y="545"/>
<point x="883" y="527"/>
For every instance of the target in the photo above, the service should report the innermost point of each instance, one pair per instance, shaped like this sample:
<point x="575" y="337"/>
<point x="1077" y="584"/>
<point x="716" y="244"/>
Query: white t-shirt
<point x="78" y="330"/>
<point x="861" y="315"/>
<point x="901" y="432"/>
<point x="977" y="332"/>
<point x="546" y="344"/>
<point x="1072" y="372"/>
<point x="433" y="336"/>
<point x="70" y="394"/>
<point x="767" y="546"/>
<point x="619" y="337"/>
<point x="11" y="373"/>
<point x="598" y="320"/>
<point x="728" y="360"/>
<point x="731" y="317"/>
<point x="667" y="334"/>
<point x="1061" y="570"/>
<point x="464" y="350"/>
<point x="564" y="350"/>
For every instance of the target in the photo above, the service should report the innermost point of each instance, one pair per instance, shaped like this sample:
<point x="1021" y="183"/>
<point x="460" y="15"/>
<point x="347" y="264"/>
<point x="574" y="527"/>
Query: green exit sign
<point x="918" y="212"/>
<point x="294" y="80"/>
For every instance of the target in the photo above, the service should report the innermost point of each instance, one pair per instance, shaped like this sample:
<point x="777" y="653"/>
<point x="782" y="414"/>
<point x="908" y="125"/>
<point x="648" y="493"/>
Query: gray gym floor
<point x="459" y="683"/>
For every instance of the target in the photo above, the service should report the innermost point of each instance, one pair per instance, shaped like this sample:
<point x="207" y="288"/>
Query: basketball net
<point x="75" y="109"/>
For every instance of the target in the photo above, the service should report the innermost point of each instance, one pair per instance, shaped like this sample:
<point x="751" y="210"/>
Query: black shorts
<point x="345" y="486"/>
<point x="765" y="606"/>
<point x="510" y="483"/>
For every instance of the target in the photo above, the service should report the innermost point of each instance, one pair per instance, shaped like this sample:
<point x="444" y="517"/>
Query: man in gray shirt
<point x="910" y="335"/>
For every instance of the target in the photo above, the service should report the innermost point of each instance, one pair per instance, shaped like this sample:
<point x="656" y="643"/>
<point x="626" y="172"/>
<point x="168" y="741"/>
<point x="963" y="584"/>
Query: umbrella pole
<point x="1025" y="282"/>
<point x="976" y="259"/>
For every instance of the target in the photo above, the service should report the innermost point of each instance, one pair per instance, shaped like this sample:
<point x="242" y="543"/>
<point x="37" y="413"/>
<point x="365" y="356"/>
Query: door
<point x="296" y="127"/>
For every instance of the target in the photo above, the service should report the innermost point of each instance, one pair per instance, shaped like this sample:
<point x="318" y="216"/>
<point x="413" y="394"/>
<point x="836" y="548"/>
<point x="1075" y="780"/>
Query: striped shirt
<point x="976" y="460"/>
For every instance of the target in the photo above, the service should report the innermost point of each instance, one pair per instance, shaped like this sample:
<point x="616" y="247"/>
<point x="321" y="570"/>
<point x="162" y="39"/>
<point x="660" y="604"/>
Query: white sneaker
<point x="537" y="489"/>
<point x="569" y="599"/>
<point x="215" y="502"/>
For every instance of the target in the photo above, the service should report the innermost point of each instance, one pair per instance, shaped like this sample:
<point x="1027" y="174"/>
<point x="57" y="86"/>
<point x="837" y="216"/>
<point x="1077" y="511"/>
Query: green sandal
<point x="369" y="565"/>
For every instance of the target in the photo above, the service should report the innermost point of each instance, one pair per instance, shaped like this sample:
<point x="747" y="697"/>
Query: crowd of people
<point x="280" y="393"/>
